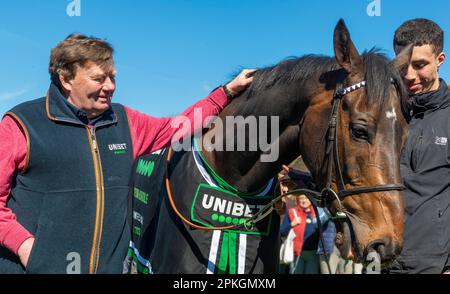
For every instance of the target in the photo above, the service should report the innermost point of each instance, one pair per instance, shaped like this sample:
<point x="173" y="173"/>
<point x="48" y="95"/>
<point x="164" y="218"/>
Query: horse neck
<point x="245" y="170"/>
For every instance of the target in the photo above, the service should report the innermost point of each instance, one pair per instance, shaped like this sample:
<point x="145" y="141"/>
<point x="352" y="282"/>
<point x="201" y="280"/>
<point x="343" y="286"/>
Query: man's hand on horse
<point x="240" y="82"/>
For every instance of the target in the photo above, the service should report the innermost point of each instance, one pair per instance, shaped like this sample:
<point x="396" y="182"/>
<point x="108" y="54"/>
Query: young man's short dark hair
<point x="419" y="32"/>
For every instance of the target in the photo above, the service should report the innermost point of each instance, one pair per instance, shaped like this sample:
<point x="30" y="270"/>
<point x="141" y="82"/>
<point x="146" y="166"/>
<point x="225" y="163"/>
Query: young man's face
<point x="422" y="74"/>
<point x="92" y="88"/>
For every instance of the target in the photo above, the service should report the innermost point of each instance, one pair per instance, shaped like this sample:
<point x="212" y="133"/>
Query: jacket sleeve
<point x="13" y="150"/>
<point x="150" y="133"/>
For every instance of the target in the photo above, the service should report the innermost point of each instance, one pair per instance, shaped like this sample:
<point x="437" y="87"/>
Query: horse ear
<point x="345" y="51"/>
<point x="403" y="58"/>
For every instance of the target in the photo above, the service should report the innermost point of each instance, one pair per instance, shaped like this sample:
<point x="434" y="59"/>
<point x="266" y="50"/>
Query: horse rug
<point x="162" y="243"/>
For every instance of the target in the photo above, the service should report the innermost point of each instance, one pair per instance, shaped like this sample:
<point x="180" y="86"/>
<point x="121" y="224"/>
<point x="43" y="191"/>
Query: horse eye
<point x="360" y="132"/>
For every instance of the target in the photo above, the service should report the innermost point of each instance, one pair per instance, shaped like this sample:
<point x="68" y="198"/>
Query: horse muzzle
<point x="386" y="249"/>
<point x="350" y="249"/>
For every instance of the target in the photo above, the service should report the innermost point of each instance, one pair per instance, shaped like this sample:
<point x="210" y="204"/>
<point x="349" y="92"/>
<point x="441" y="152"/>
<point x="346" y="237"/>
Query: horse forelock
<point x="379" y="75"/>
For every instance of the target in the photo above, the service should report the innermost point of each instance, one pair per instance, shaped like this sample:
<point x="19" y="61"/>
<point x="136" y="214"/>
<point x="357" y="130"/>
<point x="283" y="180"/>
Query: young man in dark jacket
<point x="425" y="160"/>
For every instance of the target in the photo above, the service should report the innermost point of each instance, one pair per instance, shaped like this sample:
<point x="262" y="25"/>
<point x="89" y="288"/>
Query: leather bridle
<point x="332" y="153"/>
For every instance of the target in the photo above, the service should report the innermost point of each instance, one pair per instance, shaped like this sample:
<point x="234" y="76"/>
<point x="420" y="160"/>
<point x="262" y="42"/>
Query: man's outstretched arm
<point x="150" y="133"/>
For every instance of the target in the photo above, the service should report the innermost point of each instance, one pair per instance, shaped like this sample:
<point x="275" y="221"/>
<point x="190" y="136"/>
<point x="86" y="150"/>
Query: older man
<point x="66" y="160"/>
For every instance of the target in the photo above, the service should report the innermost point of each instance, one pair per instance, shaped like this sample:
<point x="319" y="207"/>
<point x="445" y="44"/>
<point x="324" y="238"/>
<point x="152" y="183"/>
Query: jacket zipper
<point x="95" y="251"/>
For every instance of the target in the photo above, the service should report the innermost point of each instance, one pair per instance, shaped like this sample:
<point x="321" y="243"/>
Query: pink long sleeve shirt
<point x="147" y="134"/>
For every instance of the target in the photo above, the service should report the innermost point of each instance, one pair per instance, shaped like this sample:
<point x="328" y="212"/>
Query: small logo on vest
<point x="441" y="141"/>
<point x="118" y="148"/>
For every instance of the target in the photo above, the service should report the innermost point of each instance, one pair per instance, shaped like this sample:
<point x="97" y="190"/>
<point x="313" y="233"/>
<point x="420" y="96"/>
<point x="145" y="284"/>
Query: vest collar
<point x="58" y="109"/>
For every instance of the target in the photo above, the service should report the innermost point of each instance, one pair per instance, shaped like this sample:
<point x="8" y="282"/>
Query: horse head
<point x="364" y="180"/>
<point x="370" y="131"/>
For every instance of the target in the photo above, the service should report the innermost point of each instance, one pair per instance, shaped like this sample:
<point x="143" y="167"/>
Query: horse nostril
<point x="380" y="248"/>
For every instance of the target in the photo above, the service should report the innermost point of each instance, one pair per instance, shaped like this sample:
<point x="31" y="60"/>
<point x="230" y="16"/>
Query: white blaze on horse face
<point x="391" y="114"/>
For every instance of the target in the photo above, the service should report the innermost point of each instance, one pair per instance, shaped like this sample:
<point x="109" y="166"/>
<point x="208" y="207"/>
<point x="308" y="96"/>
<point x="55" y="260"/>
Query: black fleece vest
<point x="73" y="194"/>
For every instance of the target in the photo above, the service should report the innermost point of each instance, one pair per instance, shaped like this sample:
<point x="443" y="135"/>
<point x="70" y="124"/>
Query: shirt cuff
<point x="219" y="97"/>
<point x="15" y="237"/>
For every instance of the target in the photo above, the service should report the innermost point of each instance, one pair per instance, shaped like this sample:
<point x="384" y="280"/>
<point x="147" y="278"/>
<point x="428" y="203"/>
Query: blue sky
<point x="170" y="53"/>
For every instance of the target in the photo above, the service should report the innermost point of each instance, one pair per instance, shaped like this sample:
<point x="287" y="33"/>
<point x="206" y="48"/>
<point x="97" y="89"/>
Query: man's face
<point x="422" y="74"/>
<point x="92" y="88"/>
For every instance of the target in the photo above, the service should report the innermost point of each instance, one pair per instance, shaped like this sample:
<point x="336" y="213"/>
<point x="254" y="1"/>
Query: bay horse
<point x="342" y="114"/>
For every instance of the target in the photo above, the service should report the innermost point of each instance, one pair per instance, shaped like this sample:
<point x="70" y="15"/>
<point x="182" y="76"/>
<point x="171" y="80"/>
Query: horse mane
<point x="291" y="70"/>
<point x="302" y="71"/>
